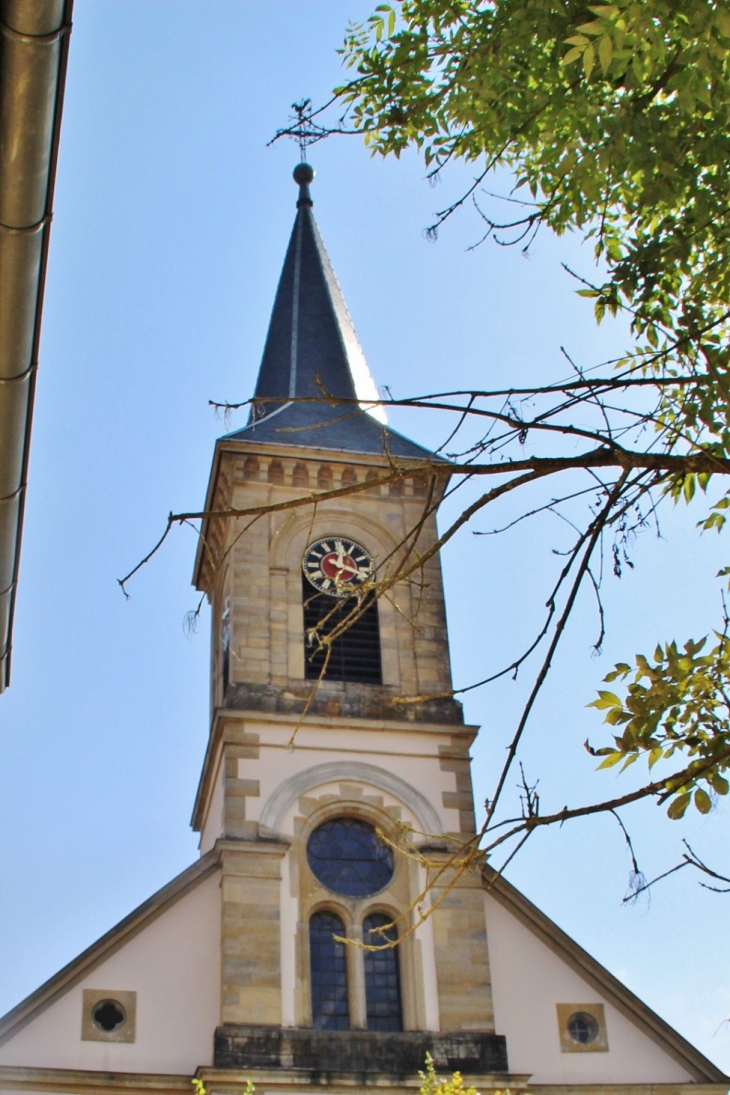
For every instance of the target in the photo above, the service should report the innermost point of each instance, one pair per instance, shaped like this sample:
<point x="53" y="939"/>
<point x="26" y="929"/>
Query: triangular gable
<point x="608" y="987"/>
<point x="166" y="955"/>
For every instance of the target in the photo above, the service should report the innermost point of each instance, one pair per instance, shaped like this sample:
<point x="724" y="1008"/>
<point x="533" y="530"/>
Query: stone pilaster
<point x="460" y="949"/>
<point x="250" y="932"/>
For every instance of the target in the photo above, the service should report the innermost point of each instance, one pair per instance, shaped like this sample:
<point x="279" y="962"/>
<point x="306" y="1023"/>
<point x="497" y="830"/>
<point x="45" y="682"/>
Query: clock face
<point x="334" y="565"/>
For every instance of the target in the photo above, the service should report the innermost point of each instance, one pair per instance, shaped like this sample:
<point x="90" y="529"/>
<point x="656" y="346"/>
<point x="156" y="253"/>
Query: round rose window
<point x="347" y="857"/>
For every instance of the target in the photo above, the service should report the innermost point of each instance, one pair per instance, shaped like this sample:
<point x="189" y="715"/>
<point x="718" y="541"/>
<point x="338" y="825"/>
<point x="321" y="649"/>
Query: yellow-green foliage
<point x="200" y="1087"/>
<point x="431" y="1084"/>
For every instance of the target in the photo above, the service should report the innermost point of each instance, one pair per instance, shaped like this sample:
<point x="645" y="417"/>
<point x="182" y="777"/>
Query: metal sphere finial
<point x="303" y="174"/>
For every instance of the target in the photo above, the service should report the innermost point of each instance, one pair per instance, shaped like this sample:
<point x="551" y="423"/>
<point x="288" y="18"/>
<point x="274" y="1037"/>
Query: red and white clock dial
<point x="336" y="564"/>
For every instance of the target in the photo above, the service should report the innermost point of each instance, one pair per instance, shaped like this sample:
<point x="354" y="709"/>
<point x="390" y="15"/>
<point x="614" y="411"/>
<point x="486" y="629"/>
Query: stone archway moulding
<point x="291" y="789"/>
<point x="286" y="541"/>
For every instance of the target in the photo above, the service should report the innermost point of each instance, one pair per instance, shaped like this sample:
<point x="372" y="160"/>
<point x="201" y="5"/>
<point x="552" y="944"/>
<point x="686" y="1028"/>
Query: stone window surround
<point x="568" y="1044"/>
<point x="126" y="1032"/>
<point x="391" y="901"/>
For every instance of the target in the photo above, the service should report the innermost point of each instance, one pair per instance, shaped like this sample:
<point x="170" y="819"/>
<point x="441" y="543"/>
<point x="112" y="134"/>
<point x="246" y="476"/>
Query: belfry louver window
<point x="355" y="654"/>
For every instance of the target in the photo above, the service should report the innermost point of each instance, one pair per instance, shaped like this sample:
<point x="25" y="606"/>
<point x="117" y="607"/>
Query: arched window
<point x="330" y="1007"/>
<point x="355" y="654"/>
<point x="382" y="977"/>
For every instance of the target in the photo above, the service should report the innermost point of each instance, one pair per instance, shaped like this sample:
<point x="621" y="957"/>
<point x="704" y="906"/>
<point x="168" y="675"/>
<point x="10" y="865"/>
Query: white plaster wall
<point x="424" y="934"/>
<point x="528" y="980"/>
<point x="213" y="824"/>
<point x="400" y="753"/>
<point x="173" y="965"/>
<point x="289" y="922"/>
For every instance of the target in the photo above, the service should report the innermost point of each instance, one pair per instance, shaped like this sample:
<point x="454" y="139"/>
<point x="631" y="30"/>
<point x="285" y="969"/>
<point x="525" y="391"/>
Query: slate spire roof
<point x="312" y="351"/>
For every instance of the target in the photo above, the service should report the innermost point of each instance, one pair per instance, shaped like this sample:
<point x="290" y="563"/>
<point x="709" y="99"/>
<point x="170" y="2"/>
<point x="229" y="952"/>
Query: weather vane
<point x="302" y="128"/>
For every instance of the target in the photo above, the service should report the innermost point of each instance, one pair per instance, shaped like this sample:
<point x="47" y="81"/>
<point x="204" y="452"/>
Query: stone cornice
<point x="78" y="1081"/>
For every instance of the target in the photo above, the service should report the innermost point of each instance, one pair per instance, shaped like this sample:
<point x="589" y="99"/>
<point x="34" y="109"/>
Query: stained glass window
<point x="330" y="1008"/>
<point x="382" y="979"/>
<point x="346" y="856"/>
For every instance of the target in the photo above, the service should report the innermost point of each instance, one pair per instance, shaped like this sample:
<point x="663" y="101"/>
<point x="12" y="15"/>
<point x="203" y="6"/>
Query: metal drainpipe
<point x="34" y="37"/>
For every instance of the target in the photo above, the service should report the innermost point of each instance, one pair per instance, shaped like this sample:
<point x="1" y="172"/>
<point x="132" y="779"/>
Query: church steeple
<point x="312" y="352"/>
<point x="315" y="429"/>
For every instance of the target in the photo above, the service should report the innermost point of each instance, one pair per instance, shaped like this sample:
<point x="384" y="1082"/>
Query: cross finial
<point x="303" y="130"/>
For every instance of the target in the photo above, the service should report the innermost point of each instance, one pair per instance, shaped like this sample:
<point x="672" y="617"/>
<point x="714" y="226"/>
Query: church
<point x="335" y="789"/>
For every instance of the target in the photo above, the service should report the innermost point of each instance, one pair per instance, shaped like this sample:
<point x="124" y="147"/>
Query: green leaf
<point x="572" y="55"/>
<point x="678" y="806"/>
<point x="719" y="784"/>
<point x="606" y="699"/>
<point x="703" y="802"/>
<point x="605" y="52"/>
<point x="655" y="755"/>
<point x="610" y="760"/>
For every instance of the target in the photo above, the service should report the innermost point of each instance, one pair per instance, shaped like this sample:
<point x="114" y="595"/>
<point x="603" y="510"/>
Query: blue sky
<point x="172" y="217"/>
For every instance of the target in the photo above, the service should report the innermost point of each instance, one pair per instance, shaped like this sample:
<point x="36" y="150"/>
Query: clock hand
<point x="340" y="563"/>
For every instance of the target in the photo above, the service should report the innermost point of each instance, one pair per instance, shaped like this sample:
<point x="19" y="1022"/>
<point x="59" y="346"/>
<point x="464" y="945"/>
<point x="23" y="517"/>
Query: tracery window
<point x="328" y="964"/>
<point x="348" y="858"/>
<point x="382" y="976"/>
<point x="346" y="855"/>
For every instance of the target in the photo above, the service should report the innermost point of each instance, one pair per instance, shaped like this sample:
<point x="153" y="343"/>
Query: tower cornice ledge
<point x="424" y="726"/>
<point x="340" y="699"/>
<point x="232" y="443"/>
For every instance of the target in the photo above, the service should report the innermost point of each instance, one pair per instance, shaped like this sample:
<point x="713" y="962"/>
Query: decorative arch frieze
<point x="288" y="792"/>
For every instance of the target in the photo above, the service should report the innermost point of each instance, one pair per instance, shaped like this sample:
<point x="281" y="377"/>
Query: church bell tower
<point x="324" y="941"/>
<point x="334" y="740"/>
